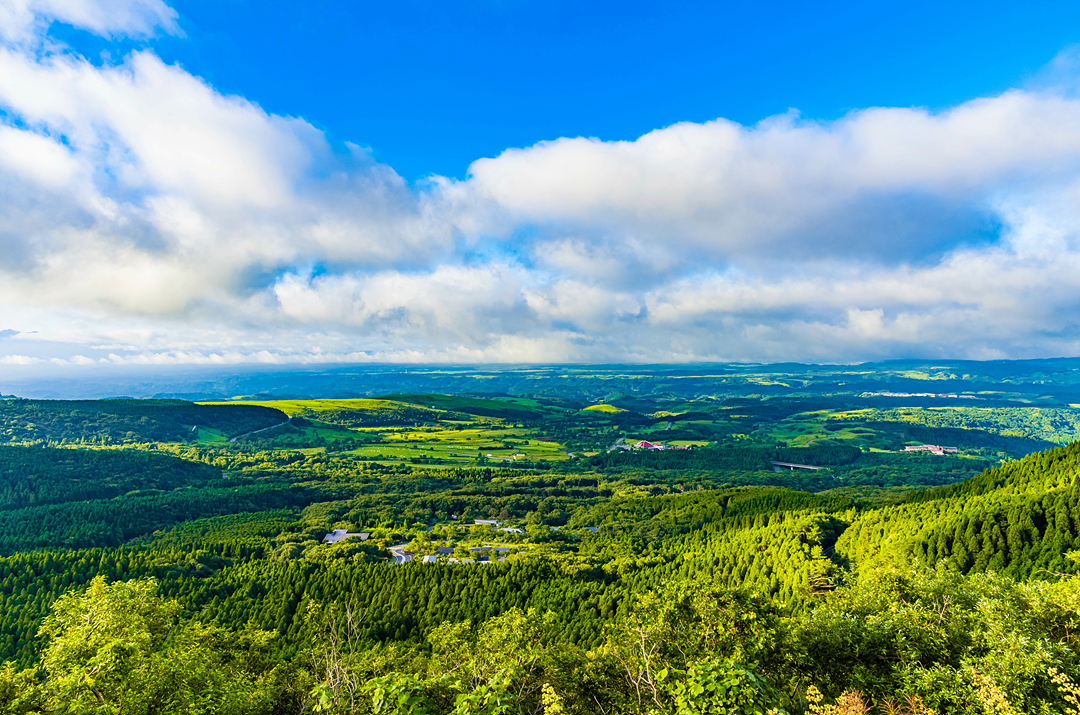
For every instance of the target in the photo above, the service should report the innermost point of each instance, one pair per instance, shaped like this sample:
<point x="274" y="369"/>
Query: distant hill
<point x="126" y="421"/>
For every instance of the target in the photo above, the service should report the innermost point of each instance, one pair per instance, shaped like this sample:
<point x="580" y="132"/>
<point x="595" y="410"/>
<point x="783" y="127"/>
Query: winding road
<point x="261" y="430"/>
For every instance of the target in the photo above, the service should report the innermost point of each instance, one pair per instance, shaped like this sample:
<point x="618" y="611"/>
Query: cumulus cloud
<point x="878" y="183"/>
<point x="150" y="219"/>
<point x="24" y="20"/>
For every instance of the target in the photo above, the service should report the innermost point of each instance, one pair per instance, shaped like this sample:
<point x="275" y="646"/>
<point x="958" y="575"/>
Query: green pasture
<point x="403" y="451"/>
<point x="457" y="440"/>
<point x="806" y="428"/>
<point x="209" y="435"/>
<point x="528" y="402"/>
<point x="498" y="442"/>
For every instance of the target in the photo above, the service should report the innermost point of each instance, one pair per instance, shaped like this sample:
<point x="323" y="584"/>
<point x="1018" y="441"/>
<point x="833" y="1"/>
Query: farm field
<point x="444" y="428"/>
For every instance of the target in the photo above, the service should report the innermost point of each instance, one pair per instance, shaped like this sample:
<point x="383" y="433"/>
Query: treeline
<point x="370" y="413"/>
<point x="970" y="438"/>
<point x="896" y="641"/>
<point x="1019" y="519"/>
<point x="1058" y="425"/>
<point x="726" y="458"/>
<point x="33" y="476"/>
<point x="475" y="406"/>
<point x="125" y="421"/>
<point x="112" y="522"/>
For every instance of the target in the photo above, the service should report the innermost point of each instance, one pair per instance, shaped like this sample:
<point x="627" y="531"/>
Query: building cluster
<point x="341" y="534"/>
<point x="931" y="448"/>
<point x="480" y="554"/>
<point x="644" y="444"/>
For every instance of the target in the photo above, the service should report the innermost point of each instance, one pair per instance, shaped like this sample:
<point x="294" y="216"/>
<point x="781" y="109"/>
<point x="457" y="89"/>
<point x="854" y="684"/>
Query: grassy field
<point x="459" y="430"/>
<point x="604" y="408"/>
<point x="489" y="440"/>
<point x="441" y="429"/>
<point x="209" y="435"/>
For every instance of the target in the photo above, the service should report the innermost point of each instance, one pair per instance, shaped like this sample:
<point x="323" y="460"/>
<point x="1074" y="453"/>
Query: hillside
<point x="738" y="583"/>
<point x="126" y="421"/>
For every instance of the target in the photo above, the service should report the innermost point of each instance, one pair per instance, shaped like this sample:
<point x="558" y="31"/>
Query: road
<point x="398" y="552"/>
<point x="261" y="430"/>
<point x="617" y="443"/>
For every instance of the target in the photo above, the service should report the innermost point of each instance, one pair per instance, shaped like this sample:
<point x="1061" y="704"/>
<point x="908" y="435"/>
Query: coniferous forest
<point x="714" y="550"/>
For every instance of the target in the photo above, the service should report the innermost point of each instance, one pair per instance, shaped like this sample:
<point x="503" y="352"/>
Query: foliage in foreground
<point x="890" y="641"/>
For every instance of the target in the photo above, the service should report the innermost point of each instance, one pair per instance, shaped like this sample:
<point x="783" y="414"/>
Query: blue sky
<point x="233" y="183"/>
<point x="432" y="86"/>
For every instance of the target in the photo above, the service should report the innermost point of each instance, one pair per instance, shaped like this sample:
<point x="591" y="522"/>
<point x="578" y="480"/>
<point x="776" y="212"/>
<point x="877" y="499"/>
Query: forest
<point x="525" y="553"/>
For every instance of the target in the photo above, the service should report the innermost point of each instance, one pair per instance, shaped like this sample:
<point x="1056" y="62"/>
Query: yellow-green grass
<point x="921" y="375"/>
<point x="766" y="381"/>
<point x="464" y="443"/>
<point x="603" y="408"/>
<point x="401" y="451"/>
<point x="360" y="404"/>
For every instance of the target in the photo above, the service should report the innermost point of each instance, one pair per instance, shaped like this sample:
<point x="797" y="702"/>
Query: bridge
<point x="777" y="466"/>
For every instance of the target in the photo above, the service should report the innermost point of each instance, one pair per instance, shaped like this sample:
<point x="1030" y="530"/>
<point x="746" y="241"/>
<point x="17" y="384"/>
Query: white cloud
<point x="882" y="181"/>
<point x="24" y="20"/>
<point x="149" y="219"/>
<point x="18" y="360"/>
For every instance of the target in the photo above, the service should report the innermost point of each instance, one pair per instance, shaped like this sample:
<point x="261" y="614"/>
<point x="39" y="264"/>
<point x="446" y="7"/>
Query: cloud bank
<point x="149" y="219"/>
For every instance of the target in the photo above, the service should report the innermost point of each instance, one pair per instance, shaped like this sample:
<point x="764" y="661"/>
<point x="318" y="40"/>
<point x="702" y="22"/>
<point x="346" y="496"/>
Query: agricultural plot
<point x="436" y="429"/>
<point x="463" y="430"/>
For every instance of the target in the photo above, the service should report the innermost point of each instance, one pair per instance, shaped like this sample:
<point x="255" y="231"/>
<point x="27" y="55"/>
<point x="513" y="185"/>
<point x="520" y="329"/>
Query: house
<point x="430" y="559"/>
<point x="513" y="531"/>
<point x="444" y="550"/>
<point x="593" y="529"/>
<point x="486" y="522"/>
<point x="341" y="534"/>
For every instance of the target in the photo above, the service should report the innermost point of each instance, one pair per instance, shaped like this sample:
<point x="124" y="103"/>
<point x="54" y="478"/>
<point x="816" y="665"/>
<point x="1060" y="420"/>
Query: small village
<point x="429" y="552"/>
<point x="931" y="448"/>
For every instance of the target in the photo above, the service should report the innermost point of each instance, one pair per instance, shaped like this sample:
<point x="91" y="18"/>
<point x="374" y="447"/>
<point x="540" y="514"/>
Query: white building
<point x="341" y="534"/>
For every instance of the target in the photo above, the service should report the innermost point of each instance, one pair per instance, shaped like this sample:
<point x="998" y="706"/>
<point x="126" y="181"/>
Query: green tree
<point x="119" y="648"/>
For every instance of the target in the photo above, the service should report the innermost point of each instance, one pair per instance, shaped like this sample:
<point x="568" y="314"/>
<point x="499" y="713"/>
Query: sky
<point x="502" y="181"/>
